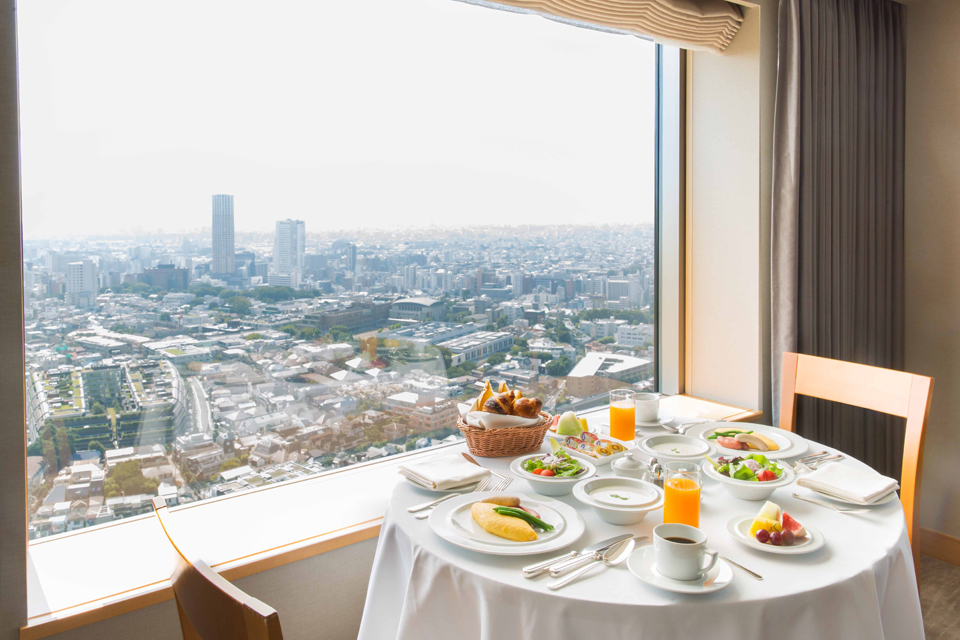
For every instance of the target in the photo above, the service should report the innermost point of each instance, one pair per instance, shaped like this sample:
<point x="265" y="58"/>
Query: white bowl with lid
<point x="630" y="467"/>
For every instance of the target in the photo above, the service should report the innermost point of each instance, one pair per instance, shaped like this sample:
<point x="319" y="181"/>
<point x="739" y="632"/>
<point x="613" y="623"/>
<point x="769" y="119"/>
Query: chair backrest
<point x="211" y="608"/>
<point x="893" y="392"/>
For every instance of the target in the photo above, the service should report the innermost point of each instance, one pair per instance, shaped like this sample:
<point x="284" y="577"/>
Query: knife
<point x="534" y="570"/>
<point x="582" y="560"/>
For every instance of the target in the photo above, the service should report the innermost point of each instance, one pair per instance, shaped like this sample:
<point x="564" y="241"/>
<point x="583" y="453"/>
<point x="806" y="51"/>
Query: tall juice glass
<point x="623" y="409"/>
<point x="681" y="488"/>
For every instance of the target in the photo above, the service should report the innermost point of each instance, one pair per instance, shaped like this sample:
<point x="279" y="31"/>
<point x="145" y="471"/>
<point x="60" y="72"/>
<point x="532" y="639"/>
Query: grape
<point x="788" y="538"/>
<point x="762" y="535"/>
<point x="776" y="539"/>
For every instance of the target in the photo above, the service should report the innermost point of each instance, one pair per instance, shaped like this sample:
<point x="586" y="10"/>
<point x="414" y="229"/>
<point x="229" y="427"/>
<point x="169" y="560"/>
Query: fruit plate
<point x="592" y="429"/>
<point x="451" y="520"/>
<point x="739" y="528"/>
<point x="791" y="445"/>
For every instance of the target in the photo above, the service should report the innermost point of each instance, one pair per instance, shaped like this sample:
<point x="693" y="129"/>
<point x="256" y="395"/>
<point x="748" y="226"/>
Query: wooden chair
<point x="210" y="607"/>
<point x="884" y="390"/>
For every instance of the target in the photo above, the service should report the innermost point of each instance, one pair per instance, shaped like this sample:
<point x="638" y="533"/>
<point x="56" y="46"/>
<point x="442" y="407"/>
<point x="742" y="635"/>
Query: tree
<point x="515" y="350"/>
<point x="232" y="463"/>
<point x="64" y="450"/>
<point x="95" y="445"/>
<point x="291" y="329"/>
<point x="447" y="356"/>
<point x="98" y="409"/>
<point x="607" y="340"/>
<point x="489" y="327"/>
<point x="116" y="406"/>
<point x="340" y="333"/>
<point x="309" y="333"/>
<point x="239" y="305"/>
<point x="254" y="336"/>
<point x="164" y="317"/>
<point x="502" y="322"/>
<point x="559" y="367"/>
<point x="497" y="358"/>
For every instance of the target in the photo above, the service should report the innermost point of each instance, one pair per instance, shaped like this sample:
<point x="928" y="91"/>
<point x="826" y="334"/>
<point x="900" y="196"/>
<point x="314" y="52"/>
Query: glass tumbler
<point x="623" y="409"/>
<point x="681" y="488"/>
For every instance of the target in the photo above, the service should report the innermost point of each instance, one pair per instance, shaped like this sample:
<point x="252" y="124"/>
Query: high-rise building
<point x="223" y="246"/>
<point x="351" y="257"/>
<point x="82" y="283"/>
<point x="410" y="277"/>
<point x="288" y="246"/>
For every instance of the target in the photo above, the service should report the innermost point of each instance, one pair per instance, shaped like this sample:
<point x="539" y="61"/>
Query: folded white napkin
<point x="855" y="485"/>
<point x="443" y="472"/>
<point x="487" y="420"/>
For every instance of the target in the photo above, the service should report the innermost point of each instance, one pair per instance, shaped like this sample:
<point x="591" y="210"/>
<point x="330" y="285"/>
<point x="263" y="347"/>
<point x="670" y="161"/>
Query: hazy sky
<point x="343" y="114"/>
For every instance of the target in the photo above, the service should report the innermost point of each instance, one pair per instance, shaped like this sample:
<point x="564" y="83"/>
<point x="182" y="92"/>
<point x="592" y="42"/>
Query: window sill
<point x="69" y="585"/>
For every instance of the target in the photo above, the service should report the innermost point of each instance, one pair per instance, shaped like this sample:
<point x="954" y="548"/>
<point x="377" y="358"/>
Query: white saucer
<point x="739" y="528"/>
<point x="641" y="564"/>
<point x="659" y="422"/>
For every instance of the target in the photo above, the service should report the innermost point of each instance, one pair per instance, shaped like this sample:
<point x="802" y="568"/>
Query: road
<point x="201" y="406"/>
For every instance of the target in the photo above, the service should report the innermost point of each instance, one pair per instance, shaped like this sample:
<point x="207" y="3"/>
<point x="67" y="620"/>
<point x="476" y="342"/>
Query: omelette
<point x="502" y="526"/>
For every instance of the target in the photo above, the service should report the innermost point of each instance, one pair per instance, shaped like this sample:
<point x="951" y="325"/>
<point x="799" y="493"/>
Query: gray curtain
<point x="837" y="246"/>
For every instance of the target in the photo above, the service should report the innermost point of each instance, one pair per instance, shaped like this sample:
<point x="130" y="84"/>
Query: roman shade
<point x="701" y="25"/>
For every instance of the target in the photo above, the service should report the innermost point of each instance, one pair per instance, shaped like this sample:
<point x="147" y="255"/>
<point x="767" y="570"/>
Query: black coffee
<point x="680" y="540"/>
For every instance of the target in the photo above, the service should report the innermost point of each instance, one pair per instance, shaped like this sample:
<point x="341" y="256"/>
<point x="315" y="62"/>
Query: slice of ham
<point x="729" y="443"/>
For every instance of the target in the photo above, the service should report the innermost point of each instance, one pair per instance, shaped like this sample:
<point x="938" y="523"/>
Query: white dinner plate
<point x="739" y="528"/>
<point x="673" y="446"/>
<point x="641" y="564"/>
<point x="452" y="521"/>
<point x="884" y="500"/>
<point x="461" y="489"/>
<point x="791" y="445"/>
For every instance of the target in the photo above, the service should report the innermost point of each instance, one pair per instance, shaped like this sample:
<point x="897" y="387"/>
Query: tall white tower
<point x="224" y="258"/>
<point x="288" y="246"/>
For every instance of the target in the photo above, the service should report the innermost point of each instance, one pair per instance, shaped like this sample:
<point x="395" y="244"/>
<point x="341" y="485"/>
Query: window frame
<point x="14" y="519"/>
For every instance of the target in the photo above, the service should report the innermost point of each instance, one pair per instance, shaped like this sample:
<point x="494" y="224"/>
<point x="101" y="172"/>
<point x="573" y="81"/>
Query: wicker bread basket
<point x="512" y="441"/>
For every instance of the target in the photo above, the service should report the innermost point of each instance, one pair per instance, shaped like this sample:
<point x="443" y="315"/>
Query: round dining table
<point x="860" y="585"/>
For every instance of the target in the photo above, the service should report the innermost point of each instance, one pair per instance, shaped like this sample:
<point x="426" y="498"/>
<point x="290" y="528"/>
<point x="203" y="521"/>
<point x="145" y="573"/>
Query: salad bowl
<point x="552" y="485"/>
<point x="753" y="490"/>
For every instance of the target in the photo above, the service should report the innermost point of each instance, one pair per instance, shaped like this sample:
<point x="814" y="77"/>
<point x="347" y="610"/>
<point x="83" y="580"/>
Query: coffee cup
<point x="647" y="407"/>
<point x="681" y="552"/>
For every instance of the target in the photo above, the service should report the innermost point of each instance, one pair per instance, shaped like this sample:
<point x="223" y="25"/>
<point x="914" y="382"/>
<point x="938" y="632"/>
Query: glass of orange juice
<point x="623" y="407"/>
<point x="681" y="488"/>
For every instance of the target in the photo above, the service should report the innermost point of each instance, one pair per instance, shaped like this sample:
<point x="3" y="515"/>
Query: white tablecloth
<point x="861" y="585"/>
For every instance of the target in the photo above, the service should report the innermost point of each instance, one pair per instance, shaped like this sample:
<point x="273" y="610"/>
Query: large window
<point x="264" y="242"/>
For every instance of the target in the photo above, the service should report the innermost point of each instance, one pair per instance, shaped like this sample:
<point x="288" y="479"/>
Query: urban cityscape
<point x="199" y="364"/>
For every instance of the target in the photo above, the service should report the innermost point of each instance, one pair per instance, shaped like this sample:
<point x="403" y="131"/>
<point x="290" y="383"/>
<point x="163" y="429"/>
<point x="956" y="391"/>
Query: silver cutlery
<point x="432" y="503"/>
<point x="828" y="505"/>
<point x="481" y="486"/>
<point x="567" y="566"/>
<point x="610" y="558"/>
<point x="540" y="568"/>
<point x="500" y="486"/>
<point x="743" y="568"/>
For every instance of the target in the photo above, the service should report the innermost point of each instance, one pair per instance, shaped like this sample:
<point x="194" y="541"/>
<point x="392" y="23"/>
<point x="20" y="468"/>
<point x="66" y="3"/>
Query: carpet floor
<point x="940" y="599"/>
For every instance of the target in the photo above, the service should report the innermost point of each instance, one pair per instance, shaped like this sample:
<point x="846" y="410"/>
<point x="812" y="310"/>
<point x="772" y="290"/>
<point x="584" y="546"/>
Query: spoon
<point x="611" y="558"/>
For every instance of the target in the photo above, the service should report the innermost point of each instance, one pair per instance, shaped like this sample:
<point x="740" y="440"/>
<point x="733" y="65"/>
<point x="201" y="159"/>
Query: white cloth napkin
<point x="487" y="420"/>
<point x="855" y="485"/>
<point x="443" y="472"/>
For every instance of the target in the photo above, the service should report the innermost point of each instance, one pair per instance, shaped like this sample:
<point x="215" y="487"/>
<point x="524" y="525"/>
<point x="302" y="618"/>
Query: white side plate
<point x="739" y="528"/>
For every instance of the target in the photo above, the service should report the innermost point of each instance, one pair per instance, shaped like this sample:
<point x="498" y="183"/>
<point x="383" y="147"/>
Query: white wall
<point x="932" y="212"/>
<point x="731" y="112"/>
<point x="320" y="598"/>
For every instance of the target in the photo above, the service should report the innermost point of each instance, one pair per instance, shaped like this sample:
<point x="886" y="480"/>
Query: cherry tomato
<point x="766" y="475"/>
<point x="537" y="472"/>
<point x="546" y="472"/>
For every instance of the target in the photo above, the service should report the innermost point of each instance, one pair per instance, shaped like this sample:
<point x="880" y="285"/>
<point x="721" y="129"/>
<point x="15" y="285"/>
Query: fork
<point x="504" y="480"/>
<point x="686" y="426"/>
<point x="481" y="486"/>
<point x="827" y="504"/>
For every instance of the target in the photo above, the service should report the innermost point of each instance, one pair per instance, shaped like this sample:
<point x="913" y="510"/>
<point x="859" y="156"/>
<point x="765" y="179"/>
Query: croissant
<point x="527" y="407"/>
<point x="501" y="403"/>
